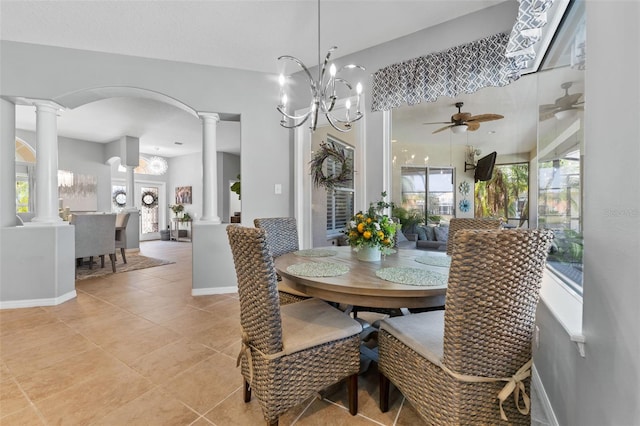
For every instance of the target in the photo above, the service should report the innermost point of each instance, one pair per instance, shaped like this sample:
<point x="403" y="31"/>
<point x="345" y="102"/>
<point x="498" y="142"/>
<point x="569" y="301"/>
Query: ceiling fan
<point x="562" y="105"/>
<point x="463" y="121"/>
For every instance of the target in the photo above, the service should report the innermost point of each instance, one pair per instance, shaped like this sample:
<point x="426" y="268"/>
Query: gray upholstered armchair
<point x="95" y="237"/>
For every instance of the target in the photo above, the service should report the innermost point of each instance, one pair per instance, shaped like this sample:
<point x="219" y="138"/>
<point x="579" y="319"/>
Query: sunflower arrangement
<point x="371" y="228"/>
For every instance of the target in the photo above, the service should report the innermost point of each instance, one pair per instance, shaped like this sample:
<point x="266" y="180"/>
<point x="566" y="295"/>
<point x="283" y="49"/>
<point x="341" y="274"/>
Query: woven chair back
<point x="457" y="224"/>
<point x="282" y="234"/>
<point x="257" y="288"/>
<point x="492" y="295"/>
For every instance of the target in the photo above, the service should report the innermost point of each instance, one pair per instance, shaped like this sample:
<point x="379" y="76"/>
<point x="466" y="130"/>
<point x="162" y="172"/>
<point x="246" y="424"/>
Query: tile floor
<point x="137" y="349"/>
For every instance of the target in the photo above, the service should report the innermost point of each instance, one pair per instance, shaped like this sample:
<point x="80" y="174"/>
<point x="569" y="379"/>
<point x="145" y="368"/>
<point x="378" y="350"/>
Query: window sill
<point x="565" y="306"/>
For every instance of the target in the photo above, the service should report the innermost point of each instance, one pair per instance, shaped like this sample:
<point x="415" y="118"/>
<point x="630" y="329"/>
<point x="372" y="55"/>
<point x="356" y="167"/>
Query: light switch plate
<point x="278" y="188"/>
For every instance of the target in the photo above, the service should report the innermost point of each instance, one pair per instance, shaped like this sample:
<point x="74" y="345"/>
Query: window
<point x="559" y="208"/>
<point x="429" y="189"/>
<point x="561" y="92"/>
<point x="506" y="195"/>
<point x="340" y="200"/>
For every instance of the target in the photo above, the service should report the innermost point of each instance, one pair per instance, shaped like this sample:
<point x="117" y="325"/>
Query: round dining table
<point x="360" y="285"/>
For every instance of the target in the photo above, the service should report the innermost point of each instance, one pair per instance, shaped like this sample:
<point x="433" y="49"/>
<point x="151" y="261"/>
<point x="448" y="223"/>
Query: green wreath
<point x="339" y="156"/>
<point x="120" y="197"/>
<point x="149" y="199"/>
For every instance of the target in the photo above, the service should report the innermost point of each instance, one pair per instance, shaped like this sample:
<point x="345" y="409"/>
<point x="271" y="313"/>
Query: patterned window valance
<point x="496" y="61"/>
<point x="461" y="69"/>
<point x="532" y="17"/>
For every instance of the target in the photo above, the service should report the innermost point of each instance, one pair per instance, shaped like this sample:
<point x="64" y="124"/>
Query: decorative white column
<point x="130" y="188"/>
<point x="7" y="163"/>
<point x="47" y="163"/>
<point x="209" y="168"/>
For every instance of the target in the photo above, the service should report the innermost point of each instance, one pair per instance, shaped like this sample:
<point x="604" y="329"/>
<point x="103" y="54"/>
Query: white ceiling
<point x="240" y="34"/>
<point x="236" y="34"/>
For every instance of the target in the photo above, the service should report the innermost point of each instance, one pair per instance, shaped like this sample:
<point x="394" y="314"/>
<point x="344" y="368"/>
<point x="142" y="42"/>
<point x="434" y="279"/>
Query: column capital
<point x="209" y="116"/>
<point x="19" y="100"/>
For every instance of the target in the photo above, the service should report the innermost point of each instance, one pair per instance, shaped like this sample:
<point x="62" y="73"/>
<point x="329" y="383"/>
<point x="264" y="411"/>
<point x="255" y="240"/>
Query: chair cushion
<point x="430" y="232"/>
<point x="421" y="233"/>
<point x="424" y="333"/>
<point x="442" y="233"/>
<point x="313" y="322"/>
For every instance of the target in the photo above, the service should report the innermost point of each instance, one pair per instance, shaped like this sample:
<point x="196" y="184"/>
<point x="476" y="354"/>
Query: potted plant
<point x="177" y="209"/>
<point x="409" y="220"/>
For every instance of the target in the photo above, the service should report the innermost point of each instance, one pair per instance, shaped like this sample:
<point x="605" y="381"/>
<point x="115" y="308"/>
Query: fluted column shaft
<point x="130" y="188"/>
<point x="46" y="163"/>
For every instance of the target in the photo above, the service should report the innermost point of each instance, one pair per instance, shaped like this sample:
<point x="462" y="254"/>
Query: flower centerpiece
<point x="371" y="233"/>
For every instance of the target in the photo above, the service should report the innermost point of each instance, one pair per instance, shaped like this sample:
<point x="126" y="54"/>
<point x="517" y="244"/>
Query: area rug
<point x="134" y="262"/>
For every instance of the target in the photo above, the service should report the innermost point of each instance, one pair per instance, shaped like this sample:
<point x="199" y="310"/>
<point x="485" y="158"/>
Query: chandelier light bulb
<point x="281" y="80"/>
<point x="332" y="70"/>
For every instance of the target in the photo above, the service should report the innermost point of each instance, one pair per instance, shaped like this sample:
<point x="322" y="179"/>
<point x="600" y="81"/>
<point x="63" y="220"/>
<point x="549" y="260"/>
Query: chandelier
<point x="324" y="97"/>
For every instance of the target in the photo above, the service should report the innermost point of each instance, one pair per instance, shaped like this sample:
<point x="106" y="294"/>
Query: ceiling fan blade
<point x="473" y="126"/>
<point x="461" y="116"/>
<point x="548" y="108"/>
<point x="443" y="128"/>
<point x="439" y="122"/>
<point x="485" y="117"/>
<point x="568" y="100"/>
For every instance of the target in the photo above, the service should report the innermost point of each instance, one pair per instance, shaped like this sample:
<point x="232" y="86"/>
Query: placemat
<point x="444" y="261"/>
<point x="412" y="276"/>
<point x="315" y="253"/>
<point x="312" y="269"/>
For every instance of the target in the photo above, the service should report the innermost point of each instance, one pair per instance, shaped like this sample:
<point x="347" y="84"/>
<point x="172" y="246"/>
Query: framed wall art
<point x="183" y="195"/>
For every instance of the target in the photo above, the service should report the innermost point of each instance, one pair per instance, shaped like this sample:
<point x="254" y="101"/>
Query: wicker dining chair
<point x="289" y="353"/>
<point x="457" y="224"/>
<point x="282" y="238"/>
<point x="453" y="365"/>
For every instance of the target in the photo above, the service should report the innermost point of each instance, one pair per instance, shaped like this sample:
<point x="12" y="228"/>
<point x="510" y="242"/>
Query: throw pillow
<point x="442" y="233"/>
<point x="429" y="231"/>
<point x="421" y="233"/>
<point x="400" y="237"/>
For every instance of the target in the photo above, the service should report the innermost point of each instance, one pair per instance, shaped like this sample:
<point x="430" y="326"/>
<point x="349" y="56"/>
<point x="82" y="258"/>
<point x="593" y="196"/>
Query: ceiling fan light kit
<point x="564" y="114"/>
<point x="564" y="107"/>
<point x="459" y="128"/>
<point x="464" y="121"/>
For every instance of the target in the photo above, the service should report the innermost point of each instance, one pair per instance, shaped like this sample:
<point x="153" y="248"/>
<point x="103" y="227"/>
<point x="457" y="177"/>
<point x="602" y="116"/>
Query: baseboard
<point x="31" y="303"/>
<point x="544" y="399"/>
<point x="213" y="290"/>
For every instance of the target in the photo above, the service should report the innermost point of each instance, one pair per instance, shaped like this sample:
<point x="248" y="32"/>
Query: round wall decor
<point x="149" y="199"/>
<point x="338" y="155"/>
<point x="120" y="197"/>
